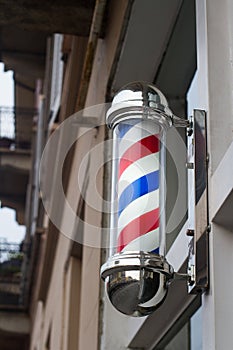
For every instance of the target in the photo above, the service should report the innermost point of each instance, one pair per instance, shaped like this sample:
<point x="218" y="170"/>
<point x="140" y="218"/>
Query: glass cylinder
<point x="138" y="187"/>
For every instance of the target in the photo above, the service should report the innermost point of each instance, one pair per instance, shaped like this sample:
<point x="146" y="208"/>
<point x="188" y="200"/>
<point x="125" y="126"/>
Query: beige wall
<point x="69" y="316"/>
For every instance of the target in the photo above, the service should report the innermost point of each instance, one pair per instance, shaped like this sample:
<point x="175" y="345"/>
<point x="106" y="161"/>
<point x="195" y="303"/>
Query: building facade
<point x="185" y="48"/>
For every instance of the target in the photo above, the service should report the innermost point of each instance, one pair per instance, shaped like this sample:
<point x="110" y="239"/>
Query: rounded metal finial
<point x="141" y="98"/>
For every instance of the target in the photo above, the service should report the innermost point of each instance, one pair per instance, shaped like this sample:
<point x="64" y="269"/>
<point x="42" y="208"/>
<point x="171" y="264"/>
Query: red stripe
<point x="138" y="227"/>
<point x="140" y="149"/>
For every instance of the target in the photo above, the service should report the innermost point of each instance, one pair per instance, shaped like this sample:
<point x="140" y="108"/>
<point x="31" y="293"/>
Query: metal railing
<point x="11" y="122"/>
<point x="7" y="123"/>
<point x="12" y="256"/>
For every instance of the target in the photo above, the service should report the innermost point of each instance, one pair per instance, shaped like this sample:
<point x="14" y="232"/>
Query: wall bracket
<point x="197" y="165"/>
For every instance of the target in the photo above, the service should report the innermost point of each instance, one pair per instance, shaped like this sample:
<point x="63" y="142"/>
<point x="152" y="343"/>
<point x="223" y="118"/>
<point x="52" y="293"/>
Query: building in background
<point x="185" y="48"/>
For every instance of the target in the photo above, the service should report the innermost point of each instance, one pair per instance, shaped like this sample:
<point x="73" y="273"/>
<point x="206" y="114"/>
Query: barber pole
<point x="136" y="272"/>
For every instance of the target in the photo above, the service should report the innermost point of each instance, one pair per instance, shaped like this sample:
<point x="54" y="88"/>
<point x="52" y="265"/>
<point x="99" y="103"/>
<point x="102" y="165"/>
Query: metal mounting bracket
<point x="197" y="165"/>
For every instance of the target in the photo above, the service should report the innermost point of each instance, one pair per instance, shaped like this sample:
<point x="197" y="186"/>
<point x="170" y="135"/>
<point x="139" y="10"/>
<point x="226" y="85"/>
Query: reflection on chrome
<point x="136" y="283"/>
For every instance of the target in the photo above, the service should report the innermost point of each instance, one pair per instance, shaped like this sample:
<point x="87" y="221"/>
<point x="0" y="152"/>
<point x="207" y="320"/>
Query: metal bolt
<point x="190" y="232"/>
<point x="189" y="165"/>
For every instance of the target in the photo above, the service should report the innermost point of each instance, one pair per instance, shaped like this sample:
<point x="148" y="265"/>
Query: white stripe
<point x="146" y="243"/>
<point x="138" y="207"/>
<point x="141" y="167"/>
<point x="136" y="133"/>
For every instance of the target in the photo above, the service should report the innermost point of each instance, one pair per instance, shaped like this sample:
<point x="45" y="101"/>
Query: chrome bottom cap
<point x="136" y="282"/>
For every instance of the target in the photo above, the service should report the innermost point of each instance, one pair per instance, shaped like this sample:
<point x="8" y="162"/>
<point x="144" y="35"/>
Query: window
<point x="190" y="335"/>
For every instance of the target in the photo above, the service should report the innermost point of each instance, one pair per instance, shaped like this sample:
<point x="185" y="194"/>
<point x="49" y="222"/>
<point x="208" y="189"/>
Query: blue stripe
<point x="138" y="188"/>
<point x="125" y="127"/>
<point x="155" y="251"/>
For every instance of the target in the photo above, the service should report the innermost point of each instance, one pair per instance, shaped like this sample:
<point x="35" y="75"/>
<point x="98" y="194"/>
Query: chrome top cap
<point x="139" y="98"/>
<point x="142" y="94"/>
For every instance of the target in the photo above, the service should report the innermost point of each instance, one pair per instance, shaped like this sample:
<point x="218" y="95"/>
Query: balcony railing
<point x="12" y="256"/>
<point x="16" y="127"/>
<point x="7" y="122"/>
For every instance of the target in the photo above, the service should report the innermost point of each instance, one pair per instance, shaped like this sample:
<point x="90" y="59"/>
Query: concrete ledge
<point x="221" y="192"/>
<point x="14" y="322"/>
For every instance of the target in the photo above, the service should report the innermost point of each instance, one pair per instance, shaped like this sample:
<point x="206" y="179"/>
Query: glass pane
<point x="190" y="336"/>
<point x="196" y="330"/>
<point x="181" y="340"/>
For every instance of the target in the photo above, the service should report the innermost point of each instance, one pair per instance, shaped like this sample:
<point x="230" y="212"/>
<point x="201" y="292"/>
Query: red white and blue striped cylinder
<point x="136" y="272"/>
<point x="139" y="183"/>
